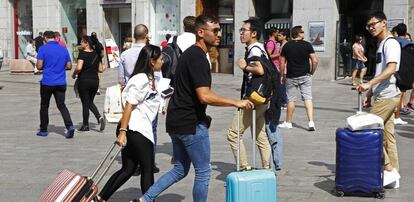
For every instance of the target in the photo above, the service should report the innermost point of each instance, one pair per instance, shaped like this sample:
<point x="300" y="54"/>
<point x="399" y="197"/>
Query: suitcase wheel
<point x="339" y="193"/>
<point x="380" y="195"/>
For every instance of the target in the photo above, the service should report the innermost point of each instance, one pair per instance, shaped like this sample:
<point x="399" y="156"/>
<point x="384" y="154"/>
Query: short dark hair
<point x="49" y="34"/>
<point x="167" y="36"/>
<point x="296" y="30"/>
<point x="401" y="29"/>
<point x="378" y="15"/>
<point x="140" y="32"/>
<point x="203" y="19"/>
<point x="40" y="33"/>
<point x="57" y="34"/>
<point x="189" y="24"/>
<point x="255" y="26"/>
<point x="271" y="31"/>
<point x="285" y="33"/>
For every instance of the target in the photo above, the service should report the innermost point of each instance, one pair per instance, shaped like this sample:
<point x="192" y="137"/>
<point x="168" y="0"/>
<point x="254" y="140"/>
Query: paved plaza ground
<point x="29" y="163"/>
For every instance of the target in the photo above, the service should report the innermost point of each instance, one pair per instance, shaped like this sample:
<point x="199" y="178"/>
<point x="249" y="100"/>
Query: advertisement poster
<point x="167" y="19"/>
<point x="394" y="22"/>
<point x="317" y="35"/>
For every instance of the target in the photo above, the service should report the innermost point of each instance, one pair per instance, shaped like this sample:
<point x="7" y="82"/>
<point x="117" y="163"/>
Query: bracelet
<point x="123" y="129"/>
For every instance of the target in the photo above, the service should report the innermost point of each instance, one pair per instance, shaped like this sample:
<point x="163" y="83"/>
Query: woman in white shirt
<point x="135" y="131"/>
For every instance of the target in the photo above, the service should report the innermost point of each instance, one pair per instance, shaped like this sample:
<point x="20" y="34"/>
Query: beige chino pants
<point x="385" y="108"/>
<point x="261" y="138"/>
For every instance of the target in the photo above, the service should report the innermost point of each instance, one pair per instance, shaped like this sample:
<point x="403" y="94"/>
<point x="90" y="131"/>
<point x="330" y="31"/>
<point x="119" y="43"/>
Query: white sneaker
<point x="390" y="176"/>
<point x="399" y="121"/>
<point x="394" y="185"/>
<point x="285" y="125"/>
<point x="311" y="126"/>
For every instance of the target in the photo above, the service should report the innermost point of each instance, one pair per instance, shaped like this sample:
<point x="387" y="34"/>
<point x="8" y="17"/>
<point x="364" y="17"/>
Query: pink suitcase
<point x="70" y="186"/>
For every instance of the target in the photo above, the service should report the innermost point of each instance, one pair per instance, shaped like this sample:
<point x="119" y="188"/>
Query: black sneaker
<point x="102" y="123"/>
<point x="84" y="128"/>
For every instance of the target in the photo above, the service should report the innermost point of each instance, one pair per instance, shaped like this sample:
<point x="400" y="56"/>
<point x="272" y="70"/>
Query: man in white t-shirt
<point x="385" y="92"/>
<point x="188" y="38"/>
<point x="249" y="35"/>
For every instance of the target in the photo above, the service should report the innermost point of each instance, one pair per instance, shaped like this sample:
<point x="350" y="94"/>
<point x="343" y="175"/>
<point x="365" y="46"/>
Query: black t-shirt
<point x="90" y="65"/>
<point x="297" y="53"/>
<point x="185" y="110"/>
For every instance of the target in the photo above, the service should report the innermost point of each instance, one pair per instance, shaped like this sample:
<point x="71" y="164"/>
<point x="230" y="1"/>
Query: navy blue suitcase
<point x="359" y="162"/>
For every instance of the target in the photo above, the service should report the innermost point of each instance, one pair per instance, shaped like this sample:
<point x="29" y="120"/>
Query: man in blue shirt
<point x="54" y="60"/>
<point x="130" y="56"/>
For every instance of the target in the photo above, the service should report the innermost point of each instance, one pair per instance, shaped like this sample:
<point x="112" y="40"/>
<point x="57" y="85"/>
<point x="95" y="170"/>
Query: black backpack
<point x="405" y="74"/>
<point x="268" y="85"/>
<point x="262" y="84"/>
<point x="170" y="53"/>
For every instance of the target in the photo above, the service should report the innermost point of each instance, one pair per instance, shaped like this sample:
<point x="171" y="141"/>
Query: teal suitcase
<point x="253" y="185"/>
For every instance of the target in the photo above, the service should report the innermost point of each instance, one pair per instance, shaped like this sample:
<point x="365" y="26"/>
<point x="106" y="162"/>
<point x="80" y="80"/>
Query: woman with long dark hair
<point x="135" y="129"/>
<point x="88" y="66"/>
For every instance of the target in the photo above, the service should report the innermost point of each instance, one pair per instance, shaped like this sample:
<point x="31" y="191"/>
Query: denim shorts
<point x="357" y="64"/>
<point x="304" y="83"/>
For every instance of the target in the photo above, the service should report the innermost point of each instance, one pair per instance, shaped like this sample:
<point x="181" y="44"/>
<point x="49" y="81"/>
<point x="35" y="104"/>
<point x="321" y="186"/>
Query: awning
<point x="278" y="23"/>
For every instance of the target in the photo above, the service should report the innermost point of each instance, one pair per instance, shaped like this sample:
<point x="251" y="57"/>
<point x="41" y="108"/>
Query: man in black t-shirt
<point x="297" y="53"/>
<point x="187" y="122"/>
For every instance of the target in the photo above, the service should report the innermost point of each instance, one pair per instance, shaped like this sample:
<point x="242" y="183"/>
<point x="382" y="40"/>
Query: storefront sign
<point x="165" y="32"/>
<point x="24" y="33"/>
<point x="106" y="2"/>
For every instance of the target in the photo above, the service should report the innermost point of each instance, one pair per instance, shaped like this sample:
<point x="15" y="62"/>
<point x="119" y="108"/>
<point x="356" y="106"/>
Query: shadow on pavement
<point x="133" y="193"/>
<point x="223" y="168"/>
<point x="57" y="129"/>
<point x="125" y="195"/>
<point x="330" y="167"/>
<point x="327" y="185"/>
<point x="170" y="198"/>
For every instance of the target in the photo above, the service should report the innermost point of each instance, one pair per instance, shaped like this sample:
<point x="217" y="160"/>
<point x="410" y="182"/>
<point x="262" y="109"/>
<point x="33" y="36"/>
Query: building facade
<point x="328" y="25"/>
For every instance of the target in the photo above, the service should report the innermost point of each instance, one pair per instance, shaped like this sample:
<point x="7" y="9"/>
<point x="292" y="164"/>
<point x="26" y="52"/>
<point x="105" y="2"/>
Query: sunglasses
<point x="215" y="30"/>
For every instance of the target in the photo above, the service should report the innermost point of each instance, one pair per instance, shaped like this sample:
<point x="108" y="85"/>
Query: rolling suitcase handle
<point x="359" y="102"/>
<point x="87" y="189"/>
<point x="253" y="134"/>
<point x="104" y="160"/>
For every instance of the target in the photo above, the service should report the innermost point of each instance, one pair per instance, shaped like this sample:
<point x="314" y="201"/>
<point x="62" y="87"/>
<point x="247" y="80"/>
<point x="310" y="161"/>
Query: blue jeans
<point x="187" y="149"/>
<point x="276" y="144"/>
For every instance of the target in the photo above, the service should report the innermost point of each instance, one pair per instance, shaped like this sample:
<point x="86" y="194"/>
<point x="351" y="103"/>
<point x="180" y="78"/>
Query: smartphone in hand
<point x="167" y="93"/>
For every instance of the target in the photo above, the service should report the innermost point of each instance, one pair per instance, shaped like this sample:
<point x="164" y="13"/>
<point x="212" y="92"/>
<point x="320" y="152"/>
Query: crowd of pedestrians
<point x="50" y="55"/>
<point x="187" y="123"/>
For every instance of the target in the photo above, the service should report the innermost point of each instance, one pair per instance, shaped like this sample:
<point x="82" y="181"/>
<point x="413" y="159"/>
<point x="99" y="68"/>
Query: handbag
<point x="76" y="88"/>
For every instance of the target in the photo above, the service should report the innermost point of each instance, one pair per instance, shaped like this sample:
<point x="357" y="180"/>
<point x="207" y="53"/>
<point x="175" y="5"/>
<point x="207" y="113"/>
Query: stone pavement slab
<point x="29" y="163"/>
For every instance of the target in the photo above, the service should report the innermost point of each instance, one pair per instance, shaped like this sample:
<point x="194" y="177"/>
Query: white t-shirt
<point x="256" y="51"/>
<point x="392" y="53"/>
<point x="140" y="91"/>
<point x="184" y="40"/>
